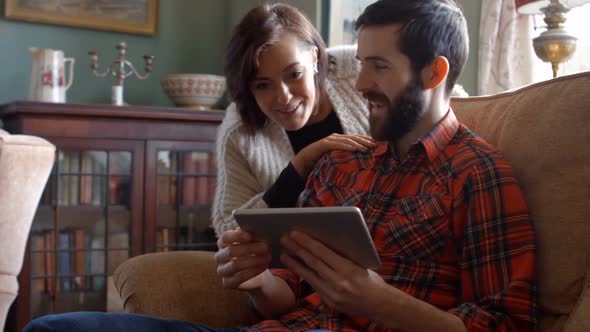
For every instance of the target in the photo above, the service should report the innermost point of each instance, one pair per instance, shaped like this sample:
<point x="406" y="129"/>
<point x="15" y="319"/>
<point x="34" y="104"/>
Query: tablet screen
<point x="343" y="229"/>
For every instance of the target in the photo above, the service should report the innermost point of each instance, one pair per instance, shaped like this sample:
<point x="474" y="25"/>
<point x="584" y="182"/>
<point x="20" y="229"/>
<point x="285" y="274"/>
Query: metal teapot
<point x="48" y="75"/>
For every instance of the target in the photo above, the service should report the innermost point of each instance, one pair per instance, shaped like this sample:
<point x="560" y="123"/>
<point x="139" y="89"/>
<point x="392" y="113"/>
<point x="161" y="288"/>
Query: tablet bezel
<point x="341" y="228"/>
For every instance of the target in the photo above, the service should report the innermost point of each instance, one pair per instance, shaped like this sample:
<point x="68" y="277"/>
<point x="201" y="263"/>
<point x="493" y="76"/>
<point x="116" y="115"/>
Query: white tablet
<point x="343" y="229"/>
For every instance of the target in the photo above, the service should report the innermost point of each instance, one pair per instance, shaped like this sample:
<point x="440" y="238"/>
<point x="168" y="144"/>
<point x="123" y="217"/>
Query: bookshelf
<point x="126" y="181"/>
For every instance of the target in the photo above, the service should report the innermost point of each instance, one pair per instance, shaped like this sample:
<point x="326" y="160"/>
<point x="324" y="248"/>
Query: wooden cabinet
<point x="126" y="181"/>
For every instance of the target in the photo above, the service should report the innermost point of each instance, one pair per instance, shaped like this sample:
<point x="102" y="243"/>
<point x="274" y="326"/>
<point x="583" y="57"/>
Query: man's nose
<point x="362" y="82"/>
<point x="283" y="94"/>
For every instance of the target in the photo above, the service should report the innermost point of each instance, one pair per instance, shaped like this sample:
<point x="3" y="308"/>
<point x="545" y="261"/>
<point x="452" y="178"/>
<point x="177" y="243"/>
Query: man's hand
<point x="342" y="285"/>
<point x="241" y="261"/>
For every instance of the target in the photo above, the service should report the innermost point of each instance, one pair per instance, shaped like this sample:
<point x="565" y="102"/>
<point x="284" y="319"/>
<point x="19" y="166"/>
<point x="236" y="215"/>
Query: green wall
<point x="472" y="11"/>
<point x="191" y="38"/>
<point x="312" y="8"/>
<point x="238" y="8"/>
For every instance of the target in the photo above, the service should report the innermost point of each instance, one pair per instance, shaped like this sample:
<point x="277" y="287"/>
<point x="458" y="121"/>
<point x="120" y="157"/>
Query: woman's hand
<point x="305" y="160"/>
<point x="241" y="261"/>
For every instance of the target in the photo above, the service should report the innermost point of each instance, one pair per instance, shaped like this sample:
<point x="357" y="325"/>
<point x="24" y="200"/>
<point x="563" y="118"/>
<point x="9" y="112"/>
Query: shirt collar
<point x="440" y="136"/>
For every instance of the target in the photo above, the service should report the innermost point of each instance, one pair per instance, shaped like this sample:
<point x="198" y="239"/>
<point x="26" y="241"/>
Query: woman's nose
<point x="284" y="94"/>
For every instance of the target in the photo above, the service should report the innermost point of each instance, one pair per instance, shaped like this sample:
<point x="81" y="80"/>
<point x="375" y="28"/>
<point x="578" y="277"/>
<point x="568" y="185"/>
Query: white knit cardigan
<point x="248" y="165"/>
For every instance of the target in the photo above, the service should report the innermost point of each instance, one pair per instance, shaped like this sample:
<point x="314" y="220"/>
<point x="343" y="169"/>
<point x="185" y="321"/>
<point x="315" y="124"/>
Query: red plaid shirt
<point x="450" y="224"/>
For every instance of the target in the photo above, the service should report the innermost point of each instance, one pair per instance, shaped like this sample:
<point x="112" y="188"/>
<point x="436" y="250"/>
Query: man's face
<point x="395" y="93"/>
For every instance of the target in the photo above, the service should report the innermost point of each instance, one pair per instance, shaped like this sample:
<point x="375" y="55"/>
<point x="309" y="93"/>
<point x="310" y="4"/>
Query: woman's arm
<point x="236" y="186"/>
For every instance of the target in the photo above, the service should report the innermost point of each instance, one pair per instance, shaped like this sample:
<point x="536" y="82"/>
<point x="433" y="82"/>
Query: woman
<point x="293" y="101"/>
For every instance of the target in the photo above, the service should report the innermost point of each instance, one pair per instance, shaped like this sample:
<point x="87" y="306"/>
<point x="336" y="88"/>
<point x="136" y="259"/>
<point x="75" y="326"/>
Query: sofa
<point x="542" y="129"/>
<point x="25" y="164"/>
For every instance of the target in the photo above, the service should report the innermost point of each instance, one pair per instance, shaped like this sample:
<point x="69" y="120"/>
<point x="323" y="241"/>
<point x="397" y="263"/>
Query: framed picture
<point x="343" y="15"/>
<point x="130" y="16"/>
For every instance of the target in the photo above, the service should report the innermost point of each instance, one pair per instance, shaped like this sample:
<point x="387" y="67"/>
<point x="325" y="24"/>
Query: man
<point x="444" y="209"/>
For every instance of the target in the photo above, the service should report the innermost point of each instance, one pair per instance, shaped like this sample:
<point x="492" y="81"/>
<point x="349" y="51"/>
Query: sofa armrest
<point x="579" y="319"/>
<point x="180" y="285"/>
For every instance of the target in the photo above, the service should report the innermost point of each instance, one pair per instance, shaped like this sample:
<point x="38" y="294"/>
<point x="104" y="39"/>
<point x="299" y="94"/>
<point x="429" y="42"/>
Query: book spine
<point x="201" y="161"/>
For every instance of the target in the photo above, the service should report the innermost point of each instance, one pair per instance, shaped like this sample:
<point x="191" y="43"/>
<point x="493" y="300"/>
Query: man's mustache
<point x="376" y="97"/>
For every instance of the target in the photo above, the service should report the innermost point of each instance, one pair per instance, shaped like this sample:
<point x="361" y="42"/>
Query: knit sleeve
<point x="236" y="186"/>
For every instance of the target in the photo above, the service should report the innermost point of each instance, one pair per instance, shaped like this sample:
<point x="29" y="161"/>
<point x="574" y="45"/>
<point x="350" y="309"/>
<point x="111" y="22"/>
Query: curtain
<point x="506" y="55"/>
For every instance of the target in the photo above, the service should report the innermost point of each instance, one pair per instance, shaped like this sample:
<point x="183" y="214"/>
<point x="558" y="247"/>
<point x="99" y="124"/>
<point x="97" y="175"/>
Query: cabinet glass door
<point x="184" y="189"/>
<point x="83" y="230"/>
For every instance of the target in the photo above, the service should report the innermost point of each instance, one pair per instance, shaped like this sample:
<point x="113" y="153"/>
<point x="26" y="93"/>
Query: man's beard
<point x="403" y="113"/>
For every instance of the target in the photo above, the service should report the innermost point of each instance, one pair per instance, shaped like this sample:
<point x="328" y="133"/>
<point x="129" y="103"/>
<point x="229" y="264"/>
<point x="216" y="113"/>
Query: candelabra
<point x="121" y="68"/>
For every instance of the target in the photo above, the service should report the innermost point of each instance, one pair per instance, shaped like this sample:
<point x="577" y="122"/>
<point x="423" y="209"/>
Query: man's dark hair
<point x="262" y="27"/>
<point x="429" y="28"/>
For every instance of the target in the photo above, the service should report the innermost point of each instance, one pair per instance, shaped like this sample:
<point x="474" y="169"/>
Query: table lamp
<point x="554" y="45"/>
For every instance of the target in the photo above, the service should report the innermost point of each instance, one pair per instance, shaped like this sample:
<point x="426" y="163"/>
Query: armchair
<point x="25" y="164"/>
<point x="542" y="129"/>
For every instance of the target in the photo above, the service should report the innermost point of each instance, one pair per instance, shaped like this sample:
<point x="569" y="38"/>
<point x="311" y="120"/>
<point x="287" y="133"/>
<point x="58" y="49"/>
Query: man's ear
<point x="436" y="73"/>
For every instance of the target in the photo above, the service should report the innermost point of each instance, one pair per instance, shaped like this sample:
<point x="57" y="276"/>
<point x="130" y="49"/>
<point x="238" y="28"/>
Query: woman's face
<point x="284" y="86"/>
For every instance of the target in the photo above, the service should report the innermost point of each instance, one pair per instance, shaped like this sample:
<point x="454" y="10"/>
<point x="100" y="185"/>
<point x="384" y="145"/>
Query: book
<point x="166" y="239"/>
<point x="188" y="179"/>
<point x="79" y="259"/>
<point x="73" y="158"/>
<point x="38" y="272"/>
<point x="64" y="256"/>
<point x="201" y="161"/>
<point x="86" y="179"/>
<point x="212" y="180"/>
<point x="49" y="245"/>
<point x="63" y="180"/>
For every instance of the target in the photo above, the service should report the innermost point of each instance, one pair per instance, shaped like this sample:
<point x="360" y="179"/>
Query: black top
<point x="286" y="189"/>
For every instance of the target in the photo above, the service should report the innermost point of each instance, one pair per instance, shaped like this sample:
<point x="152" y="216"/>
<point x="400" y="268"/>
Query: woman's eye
<point x="260" y="86"/>
<point x="296" y="75"/>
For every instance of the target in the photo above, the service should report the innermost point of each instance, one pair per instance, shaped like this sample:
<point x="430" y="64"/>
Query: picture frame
<point x="342" y="16"/>
<point x="128" y="16"/>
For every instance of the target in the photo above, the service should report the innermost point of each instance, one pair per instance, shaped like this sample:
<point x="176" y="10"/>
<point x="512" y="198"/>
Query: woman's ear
<point x="436" y="73"/>
<point x="315" y="59"/>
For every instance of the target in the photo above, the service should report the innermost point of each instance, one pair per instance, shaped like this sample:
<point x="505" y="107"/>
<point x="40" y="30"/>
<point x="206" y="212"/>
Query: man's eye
<point x="380" y="67"/>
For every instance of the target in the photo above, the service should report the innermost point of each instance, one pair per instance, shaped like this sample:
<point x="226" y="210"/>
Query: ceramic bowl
<point x="198" y="91"/>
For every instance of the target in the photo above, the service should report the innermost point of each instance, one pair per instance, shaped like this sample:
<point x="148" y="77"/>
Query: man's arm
<point x="348" y="288"/>
<point x="497" y="251"/>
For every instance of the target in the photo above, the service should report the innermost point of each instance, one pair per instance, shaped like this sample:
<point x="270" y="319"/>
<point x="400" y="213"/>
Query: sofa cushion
<point x="544" y="131"/>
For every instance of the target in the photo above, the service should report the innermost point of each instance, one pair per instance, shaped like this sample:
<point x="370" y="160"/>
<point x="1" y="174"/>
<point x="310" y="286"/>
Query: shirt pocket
<point x="416" y="227"/>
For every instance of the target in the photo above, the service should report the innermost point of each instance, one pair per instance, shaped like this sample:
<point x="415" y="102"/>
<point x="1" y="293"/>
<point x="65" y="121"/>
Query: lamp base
<point x="555" y="46"/>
